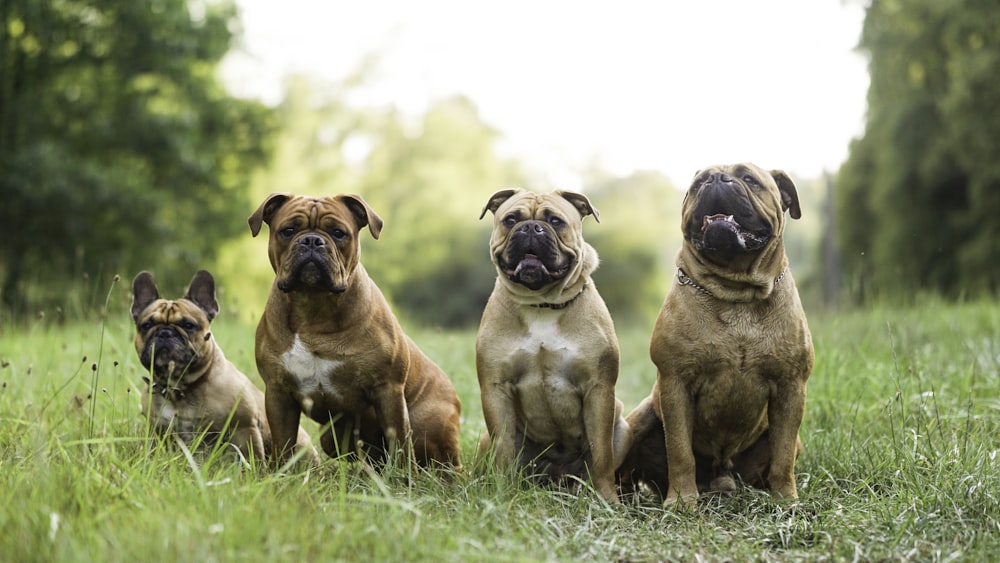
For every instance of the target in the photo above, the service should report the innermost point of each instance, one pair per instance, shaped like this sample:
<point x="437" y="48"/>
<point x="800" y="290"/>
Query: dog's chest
<point x="546" y="341"/>
<point x="544" y="361"/>
<point x="547" y="380"/>
<point x="166" y="414"/>
<point x="734" y="367"/>
<point x="316" y="377"/>
<point x="183" y="420"/>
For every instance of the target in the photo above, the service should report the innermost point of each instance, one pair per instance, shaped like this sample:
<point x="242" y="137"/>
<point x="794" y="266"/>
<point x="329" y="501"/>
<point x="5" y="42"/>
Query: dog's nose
<point x="530" y="227"/>
<point x="312" y="241"/>
<point x="720" y="177"/>
<point x="166" y="331"/>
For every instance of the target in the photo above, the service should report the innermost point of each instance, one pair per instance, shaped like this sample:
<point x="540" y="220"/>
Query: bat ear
<point x="201" y="292"/>
<point x="497" y="199"/>
<point x="789" y="195"/>
<point x="144" y="292"/>
<point x="582" y="204"/>
<point x="266" y="211"/>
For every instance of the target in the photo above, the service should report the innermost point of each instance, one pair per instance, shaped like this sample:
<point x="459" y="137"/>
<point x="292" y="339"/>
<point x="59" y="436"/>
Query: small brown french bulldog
<point x="192" y="389"/>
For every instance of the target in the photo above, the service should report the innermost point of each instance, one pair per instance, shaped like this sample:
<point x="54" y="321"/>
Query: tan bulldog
<point x="192" y="389"/>
<point x="731" y="346"/>
<point x="546" y="352"/>
<point x="329" y="346"/>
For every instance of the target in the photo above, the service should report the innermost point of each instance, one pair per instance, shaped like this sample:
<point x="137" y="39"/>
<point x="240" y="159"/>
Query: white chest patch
<point x="544" y="333"/>
<point x="167" y="413"/>
<point x="313" y="372"/>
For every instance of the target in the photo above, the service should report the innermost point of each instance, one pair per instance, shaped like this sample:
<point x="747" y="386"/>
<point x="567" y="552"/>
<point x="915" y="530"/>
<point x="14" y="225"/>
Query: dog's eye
<point x="556" y="221"/>
<point x="509" y="221"/>
<point x="188" y="325"/>
<point x="751" y="181"/>
<point x="287" y="232"/>
<point x="146" y="326"/>
<point x="338" y="234"/>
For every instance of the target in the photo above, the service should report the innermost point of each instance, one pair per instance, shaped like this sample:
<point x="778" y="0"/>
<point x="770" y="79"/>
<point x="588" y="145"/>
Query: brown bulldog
<point x="546" y="353"/>
<point x="731" y="346"/>
<point x="192" y="389"/>
<point x="328" y="345"/>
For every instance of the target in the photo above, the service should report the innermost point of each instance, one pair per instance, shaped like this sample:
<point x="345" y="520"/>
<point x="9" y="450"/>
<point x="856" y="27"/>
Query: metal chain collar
<point x="684" y="279"/>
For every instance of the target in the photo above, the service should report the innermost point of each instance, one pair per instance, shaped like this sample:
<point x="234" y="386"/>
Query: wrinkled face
<point x="172" y="338"/>
<point x="314" y="244"/>
<point x="735" y="210"/>
<point x="536" y="239"/>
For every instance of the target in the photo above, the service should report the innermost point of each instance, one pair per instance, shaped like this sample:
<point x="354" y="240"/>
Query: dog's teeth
<point x="709" y="219"/>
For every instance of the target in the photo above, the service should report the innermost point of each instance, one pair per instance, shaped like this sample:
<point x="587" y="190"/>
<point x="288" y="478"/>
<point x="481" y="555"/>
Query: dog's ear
<point x="363" y="212"/>
<point x="266" y="211"/>
<point x="144" y="292"/>
<point x="201" y="292"/>
<point x="497" y="199"/>
<point x="581" y="203"/>
<point x="789" y="196"/>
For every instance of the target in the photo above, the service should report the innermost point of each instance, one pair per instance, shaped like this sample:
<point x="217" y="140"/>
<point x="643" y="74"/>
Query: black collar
<point x="557" y="306"/>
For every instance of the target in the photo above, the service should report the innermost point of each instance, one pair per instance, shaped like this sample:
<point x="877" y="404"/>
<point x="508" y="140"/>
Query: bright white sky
<point x="668" y="85"/>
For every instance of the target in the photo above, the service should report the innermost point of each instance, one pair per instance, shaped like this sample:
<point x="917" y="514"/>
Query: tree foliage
<point x="637" y="239"/>
<point x="118" y="148"/>
<point x="920" y="192"/>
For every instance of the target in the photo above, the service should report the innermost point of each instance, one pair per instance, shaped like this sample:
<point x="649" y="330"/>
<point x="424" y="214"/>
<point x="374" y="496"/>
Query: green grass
<point x="902" y="437"/>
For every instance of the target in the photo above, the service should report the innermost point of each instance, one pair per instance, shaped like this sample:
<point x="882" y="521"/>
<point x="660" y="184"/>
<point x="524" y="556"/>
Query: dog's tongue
<point x="530" y="260"/>
<point x="529" y="263"/>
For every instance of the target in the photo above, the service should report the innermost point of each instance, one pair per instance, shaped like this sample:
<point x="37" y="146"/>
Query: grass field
<point x="902" y="437"/>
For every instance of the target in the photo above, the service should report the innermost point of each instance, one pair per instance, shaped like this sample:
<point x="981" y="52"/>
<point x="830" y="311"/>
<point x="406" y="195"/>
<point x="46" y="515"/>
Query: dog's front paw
<point x="678" y="499"/>
<point x="783" y="488"/>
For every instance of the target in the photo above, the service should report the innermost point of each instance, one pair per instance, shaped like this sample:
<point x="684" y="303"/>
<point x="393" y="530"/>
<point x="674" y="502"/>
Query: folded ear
<point x="201" y="292"/>
<point x="266" y="211"/>
<point x="581" y="203"/>
<point x="363" y="213"/>
<point x="497" y="199"/>
<point x="144" y="292"/>
<point x="789" y="195"/>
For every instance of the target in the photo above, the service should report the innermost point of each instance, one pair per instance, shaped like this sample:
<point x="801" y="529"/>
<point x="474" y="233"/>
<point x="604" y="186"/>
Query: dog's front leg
<point x="501" y="425"/>
<point x="599" y="415"/>
<point x="283" y="412"/>
<point x="784" y="413"/>
<point x="678" y="425"/>
<point x="394" y="419"/>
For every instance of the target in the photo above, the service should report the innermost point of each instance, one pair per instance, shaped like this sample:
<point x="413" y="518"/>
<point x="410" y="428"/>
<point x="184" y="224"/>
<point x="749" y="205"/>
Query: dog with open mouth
<point x="546" y="352"/>
<point x="731" y="346"/>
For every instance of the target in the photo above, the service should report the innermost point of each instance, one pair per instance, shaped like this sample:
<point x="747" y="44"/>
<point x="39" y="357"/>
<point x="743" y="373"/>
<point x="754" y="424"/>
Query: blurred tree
<point x="430" y="179"/>
<point x="637" y="239"/>
<point x="920" y="192"/>
<point x="118" y="148"/>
